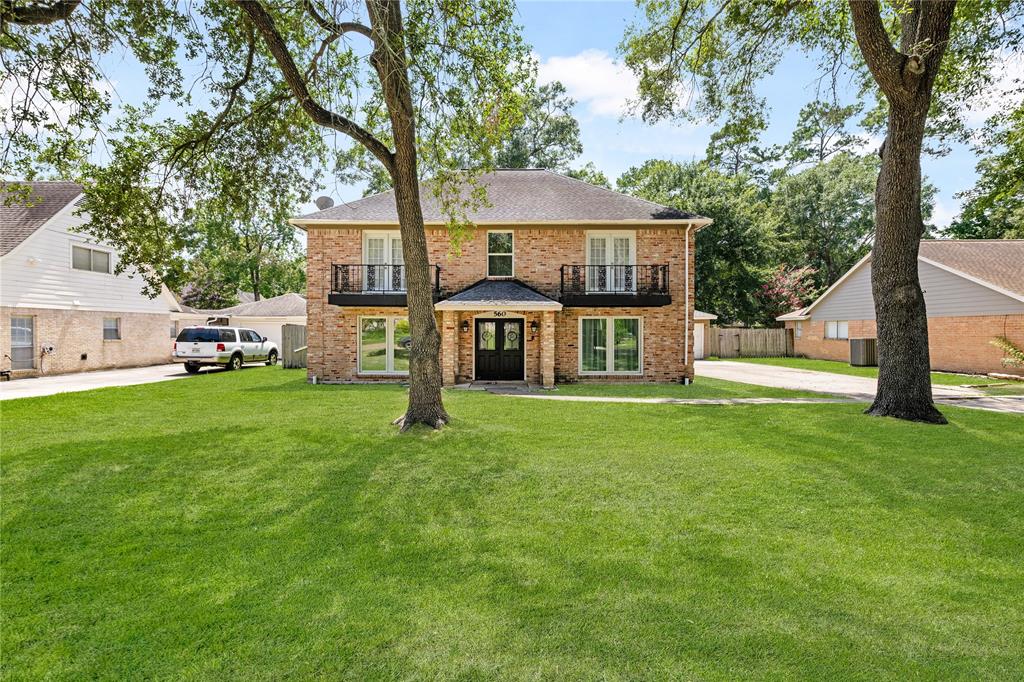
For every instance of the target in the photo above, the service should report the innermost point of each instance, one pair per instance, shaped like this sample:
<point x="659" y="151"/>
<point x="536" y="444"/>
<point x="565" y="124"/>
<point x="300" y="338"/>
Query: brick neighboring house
<point x="973" y="290"/>
<point x="560" y="280"/>
<point x="62" y="308"/>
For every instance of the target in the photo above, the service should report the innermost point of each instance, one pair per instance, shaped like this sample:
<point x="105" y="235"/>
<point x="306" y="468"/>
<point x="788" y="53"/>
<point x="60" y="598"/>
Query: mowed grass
<point x="246" y="525"/>
<point x="939" y="378"/>
<point x="702" y="388"/>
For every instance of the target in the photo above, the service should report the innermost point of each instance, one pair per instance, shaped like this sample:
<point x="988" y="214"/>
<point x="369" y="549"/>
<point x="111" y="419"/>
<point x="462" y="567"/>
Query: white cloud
<point x="593" y="79"/>
<point x="943" y="215"/>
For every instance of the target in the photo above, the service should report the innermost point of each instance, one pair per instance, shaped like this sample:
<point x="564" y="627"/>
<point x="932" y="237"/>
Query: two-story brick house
<point x="560" y="281"/>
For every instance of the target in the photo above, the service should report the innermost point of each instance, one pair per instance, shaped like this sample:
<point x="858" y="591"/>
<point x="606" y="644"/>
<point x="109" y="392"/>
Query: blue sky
<point x="576" y="43"/>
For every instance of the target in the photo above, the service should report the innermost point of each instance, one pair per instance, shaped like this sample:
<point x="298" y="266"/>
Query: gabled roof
<point x="496" y="294"/>
<point x="798" y="314"/>
<point x="285" y="305"/>
<point x="515" y="196"/>
<point x="996" y="264"/>
<point x="20" y="219"/>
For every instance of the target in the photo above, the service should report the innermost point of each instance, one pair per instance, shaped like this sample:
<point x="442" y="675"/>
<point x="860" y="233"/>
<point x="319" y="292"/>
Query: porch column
<point x="547" y="349"/>
<point x="449" y="347"/>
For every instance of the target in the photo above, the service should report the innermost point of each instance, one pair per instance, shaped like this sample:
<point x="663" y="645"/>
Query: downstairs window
<point x="610" y="345"/>
<point x="384" y="344"/>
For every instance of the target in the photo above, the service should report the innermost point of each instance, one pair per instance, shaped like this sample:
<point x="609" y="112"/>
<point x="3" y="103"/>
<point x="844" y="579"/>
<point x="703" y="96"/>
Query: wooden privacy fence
<point x="728" y="342"/>
<point x="293" y="342"/>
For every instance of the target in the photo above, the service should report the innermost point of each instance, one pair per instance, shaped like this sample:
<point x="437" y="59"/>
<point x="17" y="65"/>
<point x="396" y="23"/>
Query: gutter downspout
<point x="686" y="283"/>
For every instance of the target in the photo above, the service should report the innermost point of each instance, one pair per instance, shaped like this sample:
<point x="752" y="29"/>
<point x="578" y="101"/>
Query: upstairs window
<point x="837" y="330"/>
<point x="93" y="260"/>
<point x="499" y="254"/>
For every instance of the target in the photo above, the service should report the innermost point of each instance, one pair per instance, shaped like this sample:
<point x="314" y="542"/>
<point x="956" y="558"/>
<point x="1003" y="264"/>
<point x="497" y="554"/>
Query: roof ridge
<point x="613" y="191"/>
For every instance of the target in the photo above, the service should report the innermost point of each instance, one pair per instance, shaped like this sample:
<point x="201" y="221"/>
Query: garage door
<point x="698" y="341"/>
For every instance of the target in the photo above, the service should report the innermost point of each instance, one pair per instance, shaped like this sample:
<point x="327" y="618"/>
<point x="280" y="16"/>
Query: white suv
<point x="227" y="347"/>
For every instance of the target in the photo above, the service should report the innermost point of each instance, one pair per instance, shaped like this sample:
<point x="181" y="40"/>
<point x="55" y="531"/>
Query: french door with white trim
<point x="384" y="263"/>
<point x="611" y="261"/>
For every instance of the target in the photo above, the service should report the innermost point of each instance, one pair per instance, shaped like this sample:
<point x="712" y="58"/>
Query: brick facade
<point x="145" y="340"/>
<point x="552" y="352"/>
<point x="956" y="344"/>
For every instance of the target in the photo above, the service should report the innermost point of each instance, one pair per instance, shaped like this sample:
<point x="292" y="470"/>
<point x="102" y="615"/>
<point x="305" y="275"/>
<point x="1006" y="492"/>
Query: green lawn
<point x="704" y="387"/>
<point x="941" y="378"/>
<point x="246" y="525"/>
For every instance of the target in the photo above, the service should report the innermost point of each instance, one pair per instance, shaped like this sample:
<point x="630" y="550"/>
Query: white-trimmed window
<point x="500" y="259"/>
<point x="837" y="330"/>
<point x="611" y="345"/>
<point x="23" y="333"/>
<point x="611" y="261"/>
<point x="799" y="329"/>
<point x="93" y="260"/>
<point x="384" y="344"/>
<point x="111" y="328"/>
<point x="385" y="265"/>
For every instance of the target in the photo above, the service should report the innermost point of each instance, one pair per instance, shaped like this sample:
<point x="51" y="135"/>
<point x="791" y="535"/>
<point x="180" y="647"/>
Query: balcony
<point x="602" y="286"/>
<point x="368" y="284"/>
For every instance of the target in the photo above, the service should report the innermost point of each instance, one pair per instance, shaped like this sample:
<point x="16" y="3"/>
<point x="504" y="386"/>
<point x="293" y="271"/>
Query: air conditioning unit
<point x="864" y="352"/>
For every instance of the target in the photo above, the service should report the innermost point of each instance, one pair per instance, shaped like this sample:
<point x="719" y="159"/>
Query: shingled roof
<point x="285" y="305"/>
<point x="498" y="294"/>
<point x="998" y="262"/>
<point x="529" y="195"/>
<point x="20" y="219"/>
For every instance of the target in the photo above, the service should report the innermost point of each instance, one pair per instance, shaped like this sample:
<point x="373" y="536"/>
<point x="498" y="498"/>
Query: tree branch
<point x="264" y="23"/>
<point x="883" y="60"/>
<point x="34" y="13"/>
<point x="336" y="28"/>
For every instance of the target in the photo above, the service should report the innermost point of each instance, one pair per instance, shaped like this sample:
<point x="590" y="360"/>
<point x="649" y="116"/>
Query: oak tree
<point x="920" y="60"/>
<point x="281" y="83"/>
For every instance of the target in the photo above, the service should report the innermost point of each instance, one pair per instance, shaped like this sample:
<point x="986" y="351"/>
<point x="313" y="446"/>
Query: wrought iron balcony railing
<point x="373" y="279"/>
<point x="614" y="279"/>
<point x="354" y="284"/>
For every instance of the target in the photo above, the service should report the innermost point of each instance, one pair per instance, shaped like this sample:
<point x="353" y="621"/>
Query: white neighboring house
<point x="701" y="323"/>
<point x="265" y="317"/>
<point x="62" y="308"/>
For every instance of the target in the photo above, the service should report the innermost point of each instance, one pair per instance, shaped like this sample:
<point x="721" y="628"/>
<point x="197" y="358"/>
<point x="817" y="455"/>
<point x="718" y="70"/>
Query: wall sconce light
<point x="465" y="326"/>
<point x="533" y="327"/>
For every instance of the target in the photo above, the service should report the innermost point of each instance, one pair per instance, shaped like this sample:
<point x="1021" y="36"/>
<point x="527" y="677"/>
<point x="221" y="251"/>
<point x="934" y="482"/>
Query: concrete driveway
<point x="84" y="381"/>
<point x="859" y="388"/>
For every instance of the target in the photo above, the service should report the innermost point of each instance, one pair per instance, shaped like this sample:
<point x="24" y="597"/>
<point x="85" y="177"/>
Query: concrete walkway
<point x="857" y="388"/>
<point x="85" y="381"/>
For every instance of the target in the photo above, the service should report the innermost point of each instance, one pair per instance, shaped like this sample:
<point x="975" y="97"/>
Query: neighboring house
<point x="62" y="308"/>
<point x="973" y="290"/>
<point x="560" y="280"/>
<point x="701" y="325"/>
<point x="266" y="316"/>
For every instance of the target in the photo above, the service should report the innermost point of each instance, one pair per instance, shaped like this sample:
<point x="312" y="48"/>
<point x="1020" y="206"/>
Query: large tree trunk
<point x="904" y="370"/>
<point x="388" y="58"/>
<point x="906" y="77"/>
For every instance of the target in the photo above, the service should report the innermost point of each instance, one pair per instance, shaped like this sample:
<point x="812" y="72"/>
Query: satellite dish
<point x="324" y="203"/>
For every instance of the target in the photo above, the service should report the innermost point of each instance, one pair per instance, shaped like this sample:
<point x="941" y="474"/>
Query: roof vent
<point x="324" y="203"/>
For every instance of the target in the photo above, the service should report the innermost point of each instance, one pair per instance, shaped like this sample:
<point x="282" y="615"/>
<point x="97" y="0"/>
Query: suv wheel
<point x="192" y="367"/>
<point x="272" y="358"/>
<point x="234" y="363"/>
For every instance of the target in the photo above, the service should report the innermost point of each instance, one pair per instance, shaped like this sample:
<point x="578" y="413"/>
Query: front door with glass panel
<point x="499" y="350"/>
<point x="385" y="269"/>
<point x="611" y="261"/>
